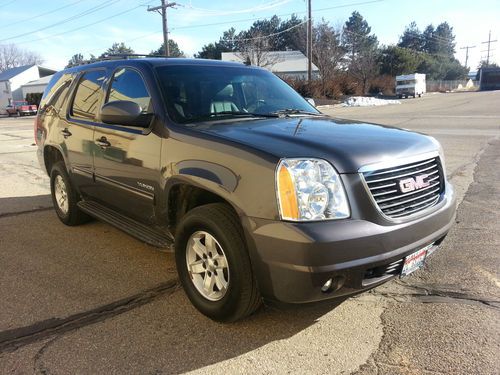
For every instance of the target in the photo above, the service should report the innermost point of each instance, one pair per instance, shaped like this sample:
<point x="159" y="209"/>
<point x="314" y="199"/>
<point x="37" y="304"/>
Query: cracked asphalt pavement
<point x="91" y="299"/>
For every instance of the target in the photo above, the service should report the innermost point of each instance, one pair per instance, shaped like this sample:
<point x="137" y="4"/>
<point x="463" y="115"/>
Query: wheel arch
<point x="51" y="155"/>
<point x="184" y="194"/>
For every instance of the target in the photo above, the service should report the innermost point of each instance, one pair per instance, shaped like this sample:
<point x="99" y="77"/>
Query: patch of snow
<point x="363" y="101"/>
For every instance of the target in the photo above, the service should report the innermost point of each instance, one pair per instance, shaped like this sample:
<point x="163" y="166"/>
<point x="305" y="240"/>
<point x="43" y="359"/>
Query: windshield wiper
<point x="243" y="113"/>
<point x="294" y="111"/>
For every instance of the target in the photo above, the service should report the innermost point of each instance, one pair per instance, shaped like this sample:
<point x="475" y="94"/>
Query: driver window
<point x="127" y="84"/>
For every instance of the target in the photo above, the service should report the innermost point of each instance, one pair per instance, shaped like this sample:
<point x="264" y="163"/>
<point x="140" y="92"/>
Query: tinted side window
<point x="56" y="93"/>
<point x="127" y="84"/>
<point x="88" y="95"/>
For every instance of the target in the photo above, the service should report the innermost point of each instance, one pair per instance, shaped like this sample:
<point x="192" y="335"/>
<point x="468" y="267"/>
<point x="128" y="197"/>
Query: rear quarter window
<point x="57" y="91"/>
<point x="88" y="95"/>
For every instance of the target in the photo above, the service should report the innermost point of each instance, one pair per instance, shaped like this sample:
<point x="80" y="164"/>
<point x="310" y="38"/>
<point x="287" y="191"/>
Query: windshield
<point x="200" y="93"/>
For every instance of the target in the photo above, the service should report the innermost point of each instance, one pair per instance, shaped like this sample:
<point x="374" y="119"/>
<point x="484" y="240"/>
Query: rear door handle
<point x="102" y="142"/>
<point x="66" y="133"/>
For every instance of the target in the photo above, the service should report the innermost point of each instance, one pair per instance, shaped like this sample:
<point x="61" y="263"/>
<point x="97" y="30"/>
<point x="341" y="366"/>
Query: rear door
<point x="126" y="163"/>
<point x="78" y="129"/>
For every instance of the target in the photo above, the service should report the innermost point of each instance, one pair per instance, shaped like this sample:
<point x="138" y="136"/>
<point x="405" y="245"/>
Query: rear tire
<point x="64" y="197"/>
<point x="239" y="296"/>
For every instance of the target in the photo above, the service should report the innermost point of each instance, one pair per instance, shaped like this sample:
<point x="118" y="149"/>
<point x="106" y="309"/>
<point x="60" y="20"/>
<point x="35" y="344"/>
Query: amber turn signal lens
<point x="288" y="198"/>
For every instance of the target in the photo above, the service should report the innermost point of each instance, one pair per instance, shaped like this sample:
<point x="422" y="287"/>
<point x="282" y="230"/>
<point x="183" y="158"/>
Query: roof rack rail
<point x="118" y="56"/>
<point x="126" y="56"/>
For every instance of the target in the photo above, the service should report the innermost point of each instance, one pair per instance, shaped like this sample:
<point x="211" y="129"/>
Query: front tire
<point x="213" y="263"/>
<point x="64" y="197"/>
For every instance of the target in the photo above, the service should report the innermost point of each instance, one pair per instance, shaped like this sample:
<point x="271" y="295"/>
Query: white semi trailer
<point x="410" y="85"/>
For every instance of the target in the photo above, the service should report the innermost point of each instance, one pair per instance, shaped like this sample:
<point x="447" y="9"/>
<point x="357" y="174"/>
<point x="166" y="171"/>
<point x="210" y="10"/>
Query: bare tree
<point x="328" y="53"/>
<point x="364" y="68"/>
<point x="12" y="56"/>
<point x="255" y="49"/>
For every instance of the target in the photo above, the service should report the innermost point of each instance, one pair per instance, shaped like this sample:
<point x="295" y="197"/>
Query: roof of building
<point x="12" y="72"/>
<point x="42" y="81"/>
<point x="280" y="61"/>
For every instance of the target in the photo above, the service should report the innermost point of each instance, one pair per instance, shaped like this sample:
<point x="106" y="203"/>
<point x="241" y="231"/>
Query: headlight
<point x="310" y="189"/>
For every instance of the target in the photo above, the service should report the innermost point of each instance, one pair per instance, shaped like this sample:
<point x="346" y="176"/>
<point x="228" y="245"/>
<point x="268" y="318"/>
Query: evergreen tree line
<point x="350" y="58"/>
<point x="349" y="54"/>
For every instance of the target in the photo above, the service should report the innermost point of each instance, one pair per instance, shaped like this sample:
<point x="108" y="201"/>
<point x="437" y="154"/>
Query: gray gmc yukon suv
<point x="260" y="195"/>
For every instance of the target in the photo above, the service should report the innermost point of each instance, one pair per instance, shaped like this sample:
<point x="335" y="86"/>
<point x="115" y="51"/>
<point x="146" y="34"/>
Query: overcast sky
<point x="58" y="29"/>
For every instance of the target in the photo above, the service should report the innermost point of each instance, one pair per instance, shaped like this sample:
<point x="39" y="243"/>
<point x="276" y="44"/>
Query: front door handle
<point x="66" y="133"/>
<point x="103" y="142"/>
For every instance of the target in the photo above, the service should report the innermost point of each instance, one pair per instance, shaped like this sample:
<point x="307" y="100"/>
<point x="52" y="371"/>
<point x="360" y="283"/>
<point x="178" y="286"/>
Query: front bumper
<point x="292" y="261"/>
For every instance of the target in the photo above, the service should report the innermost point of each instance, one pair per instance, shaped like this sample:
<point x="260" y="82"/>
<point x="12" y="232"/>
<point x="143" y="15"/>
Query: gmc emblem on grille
<point x="411" y="184"/>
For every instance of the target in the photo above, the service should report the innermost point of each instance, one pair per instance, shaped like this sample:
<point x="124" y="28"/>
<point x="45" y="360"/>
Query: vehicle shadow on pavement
<point x="16" y="205"/>
<point x="170" y="336"/>
<point x="117" y="300"/>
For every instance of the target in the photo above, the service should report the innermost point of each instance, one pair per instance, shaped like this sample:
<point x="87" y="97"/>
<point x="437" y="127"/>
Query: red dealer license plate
<point x="415" y="261"/>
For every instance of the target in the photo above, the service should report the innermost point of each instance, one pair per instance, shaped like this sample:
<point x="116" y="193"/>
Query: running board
<point x="134" y="228"/>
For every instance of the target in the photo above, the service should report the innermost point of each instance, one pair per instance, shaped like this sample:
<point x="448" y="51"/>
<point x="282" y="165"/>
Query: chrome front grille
<point x="406" y="189"/>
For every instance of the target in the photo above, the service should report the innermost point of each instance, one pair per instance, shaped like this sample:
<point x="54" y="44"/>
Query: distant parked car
<point x="21" y="108"/>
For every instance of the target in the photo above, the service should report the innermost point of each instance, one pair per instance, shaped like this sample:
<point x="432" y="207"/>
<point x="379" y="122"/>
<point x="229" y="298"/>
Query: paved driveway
<point x="91" y="299"/>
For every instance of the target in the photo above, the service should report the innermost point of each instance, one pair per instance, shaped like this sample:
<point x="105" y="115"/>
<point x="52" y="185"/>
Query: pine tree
<point x="174" y="50"/>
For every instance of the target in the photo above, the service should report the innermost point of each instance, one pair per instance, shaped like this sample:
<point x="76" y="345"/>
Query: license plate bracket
<point x="416" y="260"/>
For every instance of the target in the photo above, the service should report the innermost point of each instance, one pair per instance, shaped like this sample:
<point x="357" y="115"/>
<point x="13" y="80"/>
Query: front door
<point x="127" y="158"/>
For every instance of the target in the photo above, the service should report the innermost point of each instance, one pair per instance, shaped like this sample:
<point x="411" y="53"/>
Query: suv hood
<point x="347" y="144"/>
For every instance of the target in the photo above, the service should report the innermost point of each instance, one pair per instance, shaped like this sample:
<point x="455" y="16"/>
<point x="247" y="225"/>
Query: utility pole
<point x="309" y="41"/>
<point x="162" y="9"/>
<point x="489" y="41"/>
<point x="466" y="48"/>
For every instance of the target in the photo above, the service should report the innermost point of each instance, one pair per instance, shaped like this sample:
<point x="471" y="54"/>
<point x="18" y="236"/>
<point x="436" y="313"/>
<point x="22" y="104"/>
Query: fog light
<point x="327" y="286"/>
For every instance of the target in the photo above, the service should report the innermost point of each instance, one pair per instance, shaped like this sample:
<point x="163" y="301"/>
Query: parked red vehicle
<point x="21" y="108"/>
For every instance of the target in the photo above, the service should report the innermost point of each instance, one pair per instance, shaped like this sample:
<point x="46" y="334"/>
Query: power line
<point x="162" y="9"/>
<point x="7" y="3"/>
<point x="466" y="48"/>
<point x="269" y="35"/>
<point x="278" y="15"/>
<point x="41" y="15"/>
<point x="219" y="12"/>
<point x="64" y="21"/>
<point x="489" y="41"/>
<point x="82" y="27"/>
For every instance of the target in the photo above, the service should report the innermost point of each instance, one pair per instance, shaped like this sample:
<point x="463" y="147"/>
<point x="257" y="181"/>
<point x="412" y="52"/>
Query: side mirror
<point x="124" y="112"/>
<point x="311" y="101"/>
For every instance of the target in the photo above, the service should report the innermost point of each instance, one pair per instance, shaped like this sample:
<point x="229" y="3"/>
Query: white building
<point x="36" y="86"/>
<point x="12" y="79"/>
<point x="286" y="64"/>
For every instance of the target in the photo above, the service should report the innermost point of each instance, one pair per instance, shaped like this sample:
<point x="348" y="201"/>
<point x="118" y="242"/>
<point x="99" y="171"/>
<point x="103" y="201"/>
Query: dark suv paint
<point x="260" y="195"/>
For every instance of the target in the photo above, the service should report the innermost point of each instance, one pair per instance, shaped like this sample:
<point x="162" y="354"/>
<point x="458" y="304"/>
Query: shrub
<point x="34" y="98"/>
<point x="382" y="84"/>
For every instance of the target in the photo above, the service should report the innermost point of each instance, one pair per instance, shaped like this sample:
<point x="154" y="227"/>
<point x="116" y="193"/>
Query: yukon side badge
<point x="145" y="186"/>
